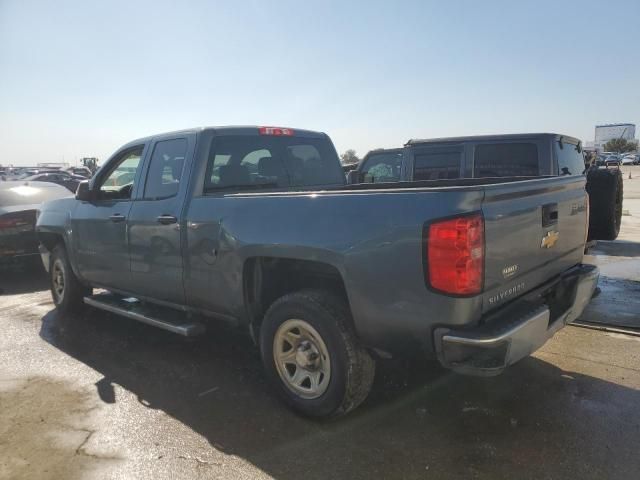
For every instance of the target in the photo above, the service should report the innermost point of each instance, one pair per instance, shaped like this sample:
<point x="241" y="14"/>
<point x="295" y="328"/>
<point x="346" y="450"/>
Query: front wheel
<point x="312" y="356"/>
<point x="66" y="290"/>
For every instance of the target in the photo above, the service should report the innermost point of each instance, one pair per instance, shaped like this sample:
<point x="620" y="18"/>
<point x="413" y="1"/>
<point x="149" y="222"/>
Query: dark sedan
<point x="612" y="161"/>
<point x="19" y="202"/>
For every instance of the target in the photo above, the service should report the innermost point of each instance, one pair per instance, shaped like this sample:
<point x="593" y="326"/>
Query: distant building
<point x="604" y="133"/>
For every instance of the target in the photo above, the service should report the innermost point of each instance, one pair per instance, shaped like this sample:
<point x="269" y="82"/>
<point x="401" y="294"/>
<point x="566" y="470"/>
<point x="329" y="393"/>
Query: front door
<point x="100" y="225"/>
<point x="155" y="223"/>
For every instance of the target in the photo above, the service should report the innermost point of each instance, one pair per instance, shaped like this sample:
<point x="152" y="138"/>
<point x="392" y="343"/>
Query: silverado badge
<point x="550" y="239"/>
<point x="509" y="271"/>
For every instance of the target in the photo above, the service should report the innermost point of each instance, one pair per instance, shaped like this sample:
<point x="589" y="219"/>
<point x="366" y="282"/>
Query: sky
<point x="80" y="78"/>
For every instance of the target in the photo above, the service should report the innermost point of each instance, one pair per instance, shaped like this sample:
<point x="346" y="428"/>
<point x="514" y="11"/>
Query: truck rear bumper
<point x="491" y="347"/>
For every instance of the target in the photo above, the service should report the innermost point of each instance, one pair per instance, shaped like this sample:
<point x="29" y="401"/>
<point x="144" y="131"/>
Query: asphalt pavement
<point x="99" y="396"/>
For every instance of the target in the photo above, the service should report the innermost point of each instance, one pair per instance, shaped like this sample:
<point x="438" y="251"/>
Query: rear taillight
<point x="277" y="131"/>
<point x="586" y="227"/>
<point x="455" y="255"/>
<point x="20" y="219"/>
<point x="10" y="222"/>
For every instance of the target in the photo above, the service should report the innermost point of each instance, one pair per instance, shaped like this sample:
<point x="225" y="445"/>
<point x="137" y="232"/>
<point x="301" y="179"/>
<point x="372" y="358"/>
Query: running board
<point x="156" y="316"/>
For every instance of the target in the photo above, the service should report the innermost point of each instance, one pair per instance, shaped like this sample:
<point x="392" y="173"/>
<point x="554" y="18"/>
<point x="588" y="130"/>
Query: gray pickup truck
<point x="493" y="156"/>
<point x="257" y="227"/>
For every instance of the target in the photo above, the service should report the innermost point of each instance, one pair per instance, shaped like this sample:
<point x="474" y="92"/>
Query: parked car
<point x="525" y="155"/>
<point x="18" y="205"/>
<point x="28" y="172"/>
<point x="59" y="177"/>
<point x="256" y="226"/>
<point x="600" y="160"/>
<point x="80" y="171"/>
<point x="612" y="161"/>
<point x="633" y="159"/>
<point x="12" y="173"/>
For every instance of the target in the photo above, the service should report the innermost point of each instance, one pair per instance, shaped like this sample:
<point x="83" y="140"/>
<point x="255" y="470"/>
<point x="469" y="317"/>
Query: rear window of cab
<point x="247" y="162"/>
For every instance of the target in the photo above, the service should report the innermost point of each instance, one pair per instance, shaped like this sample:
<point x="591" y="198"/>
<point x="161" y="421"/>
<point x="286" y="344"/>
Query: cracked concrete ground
<point x="100" y="397"/>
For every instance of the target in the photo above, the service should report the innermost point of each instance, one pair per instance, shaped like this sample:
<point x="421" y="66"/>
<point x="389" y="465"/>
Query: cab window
<point x="118" y="183"/>
<point x="506" y="160"/>
<point x="570" y="158"/>
<point x="437" y="165"/>
<point x="165" y="169"/>
<point x="382" y="167"/>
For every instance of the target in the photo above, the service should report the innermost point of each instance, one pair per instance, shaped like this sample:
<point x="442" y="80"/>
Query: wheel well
<point x="50" y="240"/>
<point x="265" y="279"/>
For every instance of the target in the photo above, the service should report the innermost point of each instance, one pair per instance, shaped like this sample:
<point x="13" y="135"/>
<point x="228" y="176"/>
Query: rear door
<point x="534" y="230"/>
<point x="155" y="222"/>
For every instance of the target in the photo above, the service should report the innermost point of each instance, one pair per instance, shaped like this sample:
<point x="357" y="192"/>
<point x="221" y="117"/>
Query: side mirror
<point x="83" y="192"/>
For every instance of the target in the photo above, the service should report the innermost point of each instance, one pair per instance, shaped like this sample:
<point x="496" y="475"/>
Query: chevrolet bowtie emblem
<point x="550" y="239"/>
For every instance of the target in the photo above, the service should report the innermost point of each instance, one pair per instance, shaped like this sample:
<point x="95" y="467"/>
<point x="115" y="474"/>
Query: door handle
<point x="549" y="214"/>
<point x="117" y="217"/>
<point x="167" y="219"/>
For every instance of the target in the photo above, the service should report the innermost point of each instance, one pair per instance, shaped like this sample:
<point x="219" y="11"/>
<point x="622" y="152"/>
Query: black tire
<point x="69" y="298"/>
<point x="605" y="203"/>
<point x="352" y="368"/>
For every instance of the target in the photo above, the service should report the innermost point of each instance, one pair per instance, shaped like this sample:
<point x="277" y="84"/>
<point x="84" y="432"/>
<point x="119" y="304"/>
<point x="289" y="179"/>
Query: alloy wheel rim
<point x="302" y="359"/>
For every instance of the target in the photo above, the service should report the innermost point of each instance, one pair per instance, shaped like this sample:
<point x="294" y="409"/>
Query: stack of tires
<point x="604" y="186"/>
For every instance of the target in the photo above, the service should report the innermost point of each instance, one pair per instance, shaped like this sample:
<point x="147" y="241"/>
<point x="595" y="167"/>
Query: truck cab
<point x="524" y="155"/>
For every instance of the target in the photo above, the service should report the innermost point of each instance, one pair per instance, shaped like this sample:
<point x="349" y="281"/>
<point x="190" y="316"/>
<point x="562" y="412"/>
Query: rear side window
<point x="506" y="160"/>
<point x="570" y="159"/>
<point x="437" y="165"/>
<point x="382" y="167"/>
<point x="165" y="170"/>
<point x="253" y="162"/>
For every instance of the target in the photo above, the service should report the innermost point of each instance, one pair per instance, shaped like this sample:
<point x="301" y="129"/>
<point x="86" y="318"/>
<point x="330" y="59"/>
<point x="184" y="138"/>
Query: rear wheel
<point x="312" y="356"/>
<point x="66" y="290"/>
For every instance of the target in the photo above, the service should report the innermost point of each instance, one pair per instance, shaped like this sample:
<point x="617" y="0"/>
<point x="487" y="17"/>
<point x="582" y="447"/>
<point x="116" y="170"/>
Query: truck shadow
<point x="23" y="277"/>
<point x="535" y="419"/>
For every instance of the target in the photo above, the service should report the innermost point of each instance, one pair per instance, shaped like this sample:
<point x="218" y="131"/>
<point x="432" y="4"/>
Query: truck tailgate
<point x="534" y="230"/>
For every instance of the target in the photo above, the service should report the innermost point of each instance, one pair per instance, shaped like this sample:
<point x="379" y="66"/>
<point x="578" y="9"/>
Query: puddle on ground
<point x="617" y="305"/>
<point x="46" y="430"/>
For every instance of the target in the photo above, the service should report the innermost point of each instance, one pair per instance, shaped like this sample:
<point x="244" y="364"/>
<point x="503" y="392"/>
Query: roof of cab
<point x="224" y="130"/>
<point x="497" y="137"/>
